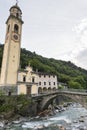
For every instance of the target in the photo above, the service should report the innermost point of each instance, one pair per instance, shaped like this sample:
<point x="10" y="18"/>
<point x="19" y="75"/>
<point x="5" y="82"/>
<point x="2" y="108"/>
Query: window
<point x="49" y="83"/>
<point x="33" y="79"/>
<point x="44" y="76"/>
<point x="54" y="76"/>
<point x="54" y="83"/>
<point x="17" y="15"/>
<point x="16" y="28"/>
<point x="24" y="78"/>
<point x="40" y="76"/>
<point x="44" y="83"/>
<point x="39" y="83"/>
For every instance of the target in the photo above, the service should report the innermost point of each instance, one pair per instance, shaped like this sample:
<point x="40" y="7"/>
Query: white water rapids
<point x="70" y="119"/>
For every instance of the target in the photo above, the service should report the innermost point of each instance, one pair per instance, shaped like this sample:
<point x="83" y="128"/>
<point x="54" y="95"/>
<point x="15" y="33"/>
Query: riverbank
<point x="21" y="112"/>
<point x="14" y="107"/>
<point x="73" y="118"/>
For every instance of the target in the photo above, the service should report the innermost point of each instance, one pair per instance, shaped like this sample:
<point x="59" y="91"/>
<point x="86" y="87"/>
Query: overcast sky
<point x="52" y="28"/>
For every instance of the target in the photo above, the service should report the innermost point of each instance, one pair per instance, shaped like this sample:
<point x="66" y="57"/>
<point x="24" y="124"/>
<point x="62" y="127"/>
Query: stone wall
<point x="8" y="90"/>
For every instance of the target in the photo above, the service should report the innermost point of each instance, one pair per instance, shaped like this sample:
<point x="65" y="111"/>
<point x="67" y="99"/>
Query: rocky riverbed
<point x="71" y="117"/>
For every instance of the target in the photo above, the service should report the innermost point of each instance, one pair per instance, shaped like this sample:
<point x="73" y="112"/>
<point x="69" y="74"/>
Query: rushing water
<point x="72" y="119"/>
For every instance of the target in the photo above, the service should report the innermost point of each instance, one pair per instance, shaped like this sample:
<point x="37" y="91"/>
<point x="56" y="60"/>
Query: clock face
<point x="15" y="37"/>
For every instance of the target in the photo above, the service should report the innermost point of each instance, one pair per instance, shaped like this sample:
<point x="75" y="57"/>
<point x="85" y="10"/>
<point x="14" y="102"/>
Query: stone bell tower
<point x="11" y="54"/>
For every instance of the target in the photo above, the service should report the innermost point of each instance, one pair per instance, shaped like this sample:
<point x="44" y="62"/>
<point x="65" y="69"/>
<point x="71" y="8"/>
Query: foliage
<point x="75" y="85"/>
<point x="67" y="72"/>
<point x="80" y="80"/>
<point x="14" y="103"/>
<point x="60" y="87"/>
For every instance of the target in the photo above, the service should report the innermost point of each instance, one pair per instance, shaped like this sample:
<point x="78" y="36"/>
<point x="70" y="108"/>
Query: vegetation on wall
<point x="17" y="105"/>
<point x="67" y="72"/>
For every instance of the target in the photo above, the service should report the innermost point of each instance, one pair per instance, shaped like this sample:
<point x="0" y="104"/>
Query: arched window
<point x="44" y="83"/>
<point x="24" y="78"/>
<point x="33" y="79"/>
<point x="39" y="83"/>
<point x="16" y="28"/>
<point x="17" y="15"/>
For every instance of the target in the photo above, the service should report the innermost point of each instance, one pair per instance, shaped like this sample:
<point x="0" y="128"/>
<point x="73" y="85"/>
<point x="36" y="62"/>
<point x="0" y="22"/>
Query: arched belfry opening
<point x="16" y="28"/>
<point x="17" y="15"/>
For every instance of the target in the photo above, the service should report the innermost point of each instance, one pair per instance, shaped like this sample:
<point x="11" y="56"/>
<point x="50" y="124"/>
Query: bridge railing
<point x="73" y="90"/>
<point x="67" y="90"/>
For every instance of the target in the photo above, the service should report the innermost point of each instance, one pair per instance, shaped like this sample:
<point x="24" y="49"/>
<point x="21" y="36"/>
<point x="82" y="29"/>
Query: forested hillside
<point x="67" y="72"/>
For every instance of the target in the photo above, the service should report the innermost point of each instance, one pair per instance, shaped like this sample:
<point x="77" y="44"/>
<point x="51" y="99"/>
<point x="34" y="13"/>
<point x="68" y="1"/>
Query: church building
<point x="12" y="79"/>
<point x="31" y="82"/>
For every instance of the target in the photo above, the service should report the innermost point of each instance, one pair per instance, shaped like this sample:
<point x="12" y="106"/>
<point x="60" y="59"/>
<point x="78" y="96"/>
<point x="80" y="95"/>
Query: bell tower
<point x="11" y="54"/>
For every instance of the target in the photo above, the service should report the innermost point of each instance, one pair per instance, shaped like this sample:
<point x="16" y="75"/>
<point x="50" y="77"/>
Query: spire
<point x="16" y="2"/>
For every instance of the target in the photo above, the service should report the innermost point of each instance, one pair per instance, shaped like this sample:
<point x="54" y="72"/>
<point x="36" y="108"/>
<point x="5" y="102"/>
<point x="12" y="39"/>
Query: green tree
<point x="64" y="78"/>
<point x="74" y="85"/>
<point x="81" y="81"/>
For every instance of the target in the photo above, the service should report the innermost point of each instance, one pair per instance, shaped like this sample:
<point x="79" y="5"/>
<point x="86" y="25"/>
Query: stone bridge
<point x="44" y="100"/>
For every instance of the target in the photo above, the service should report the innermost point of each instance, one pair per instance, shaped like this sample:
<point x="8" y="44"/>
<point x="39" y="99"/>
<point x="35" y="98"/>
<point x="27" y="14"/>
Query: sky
<point x="52" y="28"/>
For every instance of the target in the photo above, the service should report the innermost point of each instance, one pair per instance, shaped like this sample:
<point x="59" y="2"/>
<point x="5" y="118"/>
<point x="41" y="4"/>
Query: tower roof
<point x="15" y="12"/>
<point x="17" y="7"/>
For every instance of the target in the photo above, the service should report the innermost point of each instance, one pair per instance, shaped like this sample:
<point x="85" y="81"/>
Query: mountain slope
<point x="67" y="72"/>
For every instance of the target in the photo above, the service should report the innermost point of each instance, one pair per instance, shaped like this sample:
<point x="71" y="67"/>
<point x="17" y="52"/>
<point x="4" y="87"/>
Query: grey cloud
<point x="81" y="58"/>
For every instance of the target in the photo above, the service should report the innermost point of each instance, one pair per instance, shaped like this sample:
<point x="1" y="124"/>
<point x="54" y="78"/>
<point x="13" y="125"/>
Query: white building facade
<point x="30" y="82"/>
<point x="46" y="82"/>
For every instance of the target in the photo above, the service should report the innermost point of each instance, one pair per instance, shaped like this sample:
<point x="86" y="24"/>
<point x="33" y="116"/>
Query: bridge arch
<point x="75" y="98"/>
<point x="45" y="99"/>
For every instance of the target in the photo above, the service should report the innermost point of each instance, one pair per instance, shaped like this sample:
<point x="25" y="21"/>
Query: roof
<point x="16" y="6"/>
<point x="22" y="70"/>
<point x="44" y="73"/>
<point x="11" y="16"/>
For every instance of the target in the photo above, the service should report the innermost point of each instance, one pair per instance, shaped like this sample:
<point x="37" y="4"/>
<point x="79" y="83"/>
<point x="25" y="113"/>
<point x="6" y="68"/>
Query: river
<point x="73" y="118"/>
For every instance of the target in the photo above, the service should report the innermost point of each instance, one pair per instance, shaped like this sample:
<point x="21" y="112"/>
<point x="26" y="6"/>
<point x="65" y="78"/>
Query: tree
<point x="81" y="81"/>
<point x="75" y="85"/>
